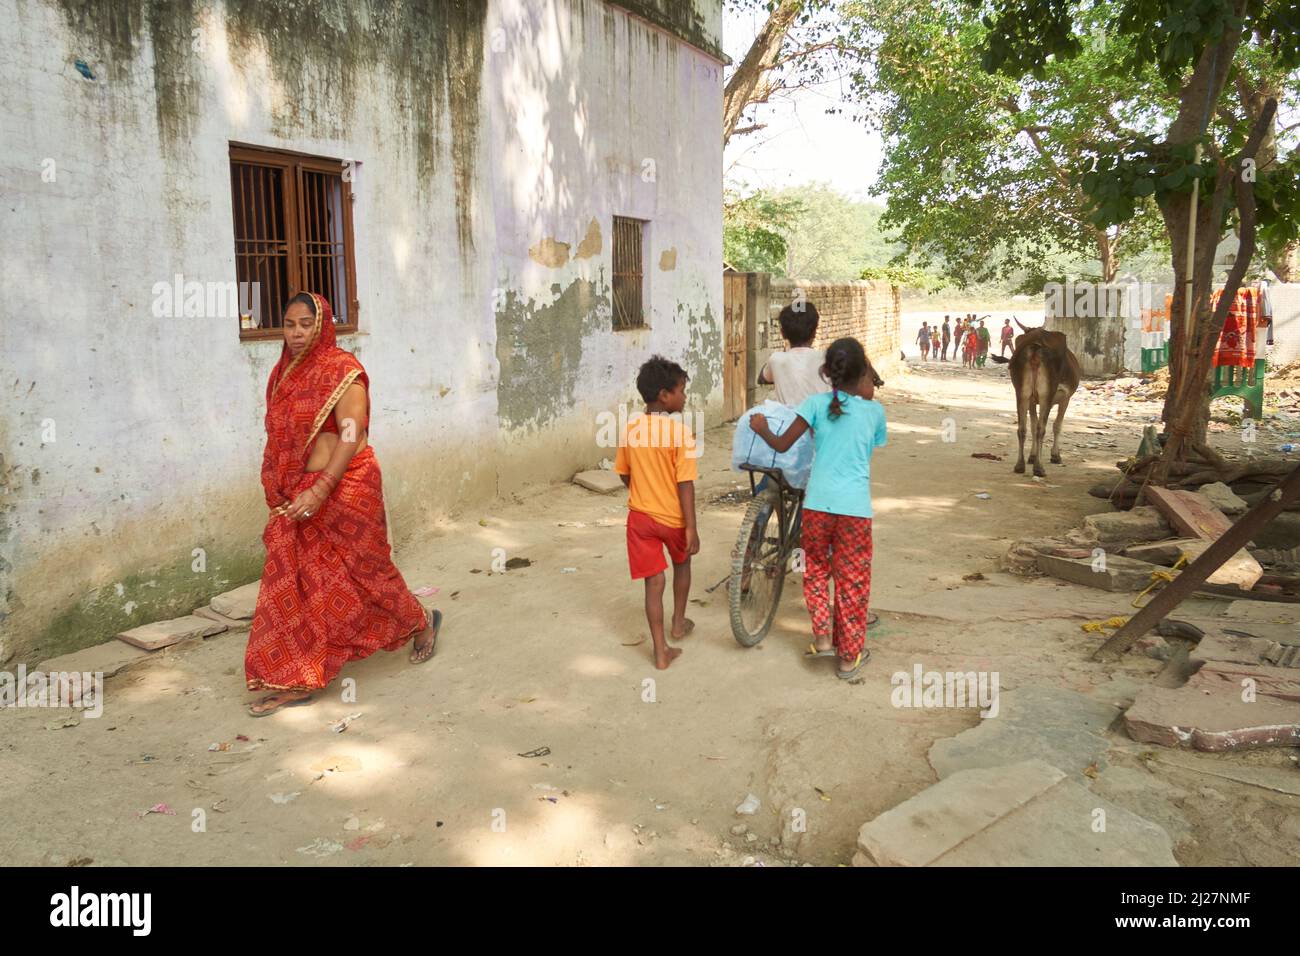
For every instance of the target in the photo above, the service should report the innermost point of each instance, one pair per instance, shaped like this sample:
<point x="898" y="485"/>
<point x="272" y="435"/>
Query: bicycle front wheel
<point x="757" y="573"/>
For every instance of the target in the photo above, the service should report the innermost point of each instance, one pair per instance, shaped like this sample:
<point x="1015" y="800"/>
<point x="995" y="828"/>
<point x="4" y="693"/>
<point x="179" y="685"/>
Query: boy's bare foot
<point x="683" y="629"/>
<point x="669" y="655"/>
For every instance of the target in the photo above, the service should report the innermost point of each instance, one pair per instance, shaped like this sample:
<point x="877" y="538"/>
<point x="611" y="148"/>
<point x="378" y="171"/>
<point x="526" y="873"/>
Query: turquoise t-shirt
<point x="841" y="473"/>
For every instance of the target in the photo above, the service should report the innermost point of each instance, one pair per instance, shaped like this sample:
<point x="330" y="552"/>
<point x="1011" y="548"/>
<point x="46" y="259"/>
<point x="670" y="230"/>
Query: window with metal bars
<point x="629" y="286"/>
<point x="293" y="233"/>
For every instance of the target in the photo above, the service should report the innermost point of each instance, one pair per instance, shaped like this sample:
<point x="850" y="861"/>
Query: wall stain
<point x="323" y="54"/>
<point x="668" y="260"/>
<point x="549" y="252"/>
<point x="591" y="242"/>
<point x="705" y="358"/>
<point x="539" y="348"/>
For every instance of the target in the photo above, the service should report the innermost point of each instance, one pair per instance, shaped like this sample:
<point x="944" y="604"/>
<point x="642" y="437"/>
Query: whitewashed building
<point x="511" y="203"/>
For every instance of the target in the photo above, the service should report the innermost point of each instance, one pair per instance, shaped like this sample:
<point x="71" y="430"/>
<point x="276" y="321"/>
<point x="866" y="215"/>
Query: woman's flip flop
<point x="268" y="713"/>
<point x="813" y="652"/>
<point x="419" y="657"/>
<point x="863" y="657"/>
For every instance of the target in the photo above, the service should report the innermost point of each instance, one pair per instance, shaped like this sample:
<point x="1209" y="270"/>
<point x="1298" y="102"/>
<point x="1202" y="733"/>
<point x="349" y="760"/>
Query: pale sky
<point x="801" y="143"/>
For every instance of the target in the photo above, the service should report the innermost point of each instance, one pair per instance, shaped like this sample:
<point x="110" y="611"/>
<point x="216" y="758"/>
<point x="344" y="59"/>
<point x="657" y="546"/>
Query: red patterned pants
<point x="838" y="547"/>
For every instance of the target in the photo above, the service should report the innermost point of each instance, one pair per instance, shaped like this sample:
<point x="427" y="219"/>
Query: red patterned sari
<point x="330" y="592"/>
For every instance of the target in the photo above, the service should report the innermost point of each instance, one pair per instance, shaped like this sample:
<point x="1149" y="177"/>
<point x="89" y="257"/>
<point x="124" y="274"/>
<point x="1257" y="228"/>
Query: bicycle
<point x="761" y="558"/>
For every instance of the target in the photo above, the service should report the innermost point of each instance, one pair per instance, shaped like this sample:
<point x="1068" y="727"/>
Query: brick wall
<point x="869" y="311"/>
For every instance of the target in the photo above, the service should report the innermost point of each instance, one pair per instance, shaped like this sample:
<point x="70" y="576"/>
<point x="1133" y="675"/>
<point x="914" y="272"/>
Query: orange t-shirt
<point x="657" y="451"/>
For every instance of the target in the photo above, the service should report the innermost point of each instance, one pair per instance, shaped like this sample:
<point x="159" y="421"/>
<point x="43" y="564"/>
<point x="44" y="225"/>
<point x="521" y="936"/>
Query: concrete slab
<point x="920" y="830"/>
<point x="107" y="659"/>
<point x="1223" y="677"/>
<point x="230" y="622"/>
<point x="599" y="480"/>
<point x="1115" y="573"/>
<point x="1186" y="717"/>
<point x="1142" y="523"/>
<point x="239" y="603"/>
<point x="1021" y="814"/>
<point x="1223" y="498"/>
<point x="1059" y="726"/>
<point x="162" y="634"/>
<point x="1164" y="552"/>
<point x="1062" y="827"/>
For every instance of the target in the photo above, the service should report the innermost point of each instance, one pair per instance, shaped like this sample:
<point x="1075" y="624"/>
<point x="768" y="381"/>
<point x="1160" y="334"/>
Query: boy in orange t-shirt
<point x="657" y="461"/>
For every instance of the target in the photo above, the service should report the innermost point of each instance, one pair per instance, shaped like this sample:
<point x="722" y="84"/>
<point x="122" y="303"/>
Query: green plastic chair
<point x="1244" y="382"/>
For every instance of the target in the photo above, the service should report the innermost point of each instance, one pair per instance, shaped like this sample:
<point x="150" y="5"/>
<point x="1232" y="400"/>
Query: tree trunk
<point x="749" y="79"/>
<point x="1106" y="255"/>
<point x="1186" y="408"/>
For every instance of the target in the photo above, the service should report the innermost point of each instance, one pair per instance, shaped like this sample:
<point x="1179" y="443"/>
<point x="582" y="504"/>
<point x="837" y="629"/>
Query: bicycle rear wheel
<point x="757" y="573"/>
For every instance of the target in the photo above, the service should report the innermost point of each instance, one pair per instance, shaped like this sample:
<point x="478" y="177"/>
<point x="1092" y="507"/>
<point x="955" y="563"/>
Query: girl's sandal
<point x="862" y="659"/>
<point x="814" y="652"/>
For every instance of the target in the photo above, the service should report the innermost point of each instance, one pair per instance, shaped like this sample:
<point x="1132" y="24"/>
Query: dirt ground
<point x="431" y="771"/>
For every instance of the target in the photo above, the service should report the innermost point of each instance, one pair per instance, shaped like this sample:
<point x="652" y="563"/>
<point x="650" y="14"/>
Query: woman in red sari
<point x="330" y="593"/>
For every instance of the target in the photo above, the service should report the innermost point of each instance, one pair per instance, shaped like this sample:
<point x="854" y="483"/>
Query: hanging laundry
<point x="1237" y="340"/>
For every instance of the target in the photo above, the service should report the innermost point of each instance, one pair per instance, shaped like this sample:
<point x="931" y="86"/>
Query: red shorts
<point x="646" y="540"/>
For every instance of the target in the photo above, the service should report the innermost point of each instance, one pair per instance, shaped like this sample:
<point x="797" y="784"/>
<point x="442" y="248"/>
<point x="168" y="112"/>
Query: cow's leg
<point x="1056" y="430"/>
<point x="1021" y="410"/>
<point x="1042" y="412"/>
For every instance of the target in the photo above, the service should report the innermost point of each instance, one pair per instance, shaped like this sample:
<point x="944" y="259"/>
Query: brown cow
<point x="1044" y="373"/>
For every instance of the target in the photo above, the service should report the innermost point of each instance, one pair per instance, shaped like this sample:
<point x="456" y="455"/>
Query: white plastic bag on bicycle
<point x="747" y="448"/>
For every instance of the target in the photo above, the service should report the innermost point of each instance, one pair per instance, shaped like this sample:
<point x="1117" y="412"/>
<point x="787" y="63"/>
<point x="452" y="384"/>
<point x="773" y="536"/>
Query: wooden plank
<point x="1189" y="513"/>
<point x="1195" y="574"/>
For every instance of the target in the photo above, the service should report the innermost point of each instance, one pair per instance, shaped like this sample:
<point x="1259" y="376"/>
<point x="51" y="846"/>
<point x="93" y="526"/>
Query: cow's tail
<point x="1000" y="359"/>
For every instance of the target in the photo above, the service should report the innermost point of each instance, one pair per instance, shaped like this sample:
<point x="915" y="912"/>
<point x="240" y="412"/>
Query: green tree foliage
<point x="807" y="232"/>
<point x="978" y="168"/>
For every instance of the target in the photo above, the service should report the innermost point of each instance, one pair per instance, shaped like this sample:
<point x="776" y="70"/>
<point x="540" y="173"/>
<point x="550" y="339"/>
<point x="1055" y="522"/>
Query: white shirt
<point x="796" y="374"/>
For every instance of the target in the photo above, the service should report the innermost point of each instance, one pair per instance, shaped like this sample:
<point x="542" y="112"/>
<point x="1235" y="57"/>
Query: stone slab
<point x="239" y="603"/>
<point x="1053" y="724"/>
<point x="107" y="659"/>
<point x="1164" y="552"/>
<point x="1189" y="513"/>
<point x="1021" y="814"/>
<point x="160" y="634"/>
<point x="599" y="480"/>
<point x="1230" y="648"/>
<point x="1241" y="569"/>
<point x="1116" y="573"/>
<point x="1186" y="717"/>
<point x="923" y="828"/>
<point x="1057" y="829"/>
<point x="1224" y="677"/>
<point x="1142" y="523"/>
<point x="1222" y="497"/>
<point x="230" y="622"/>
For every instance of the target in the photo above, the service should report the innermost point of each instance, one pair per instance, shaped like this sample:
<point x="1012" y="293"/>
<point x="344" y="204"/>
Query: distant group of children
<point x="832" y="391"/>
<point x="969" y="337"/>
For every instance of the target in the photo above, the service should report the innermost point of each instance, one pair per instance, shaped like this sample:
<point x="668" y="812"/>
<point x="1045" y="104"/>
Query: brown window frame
<point x="628" y="268"/>
<point x="292" y="166"/>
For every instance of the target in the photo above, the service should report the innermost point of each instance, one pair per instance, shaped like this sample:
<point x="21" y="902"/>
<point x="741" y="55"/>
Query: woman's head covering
<point x="300" y="395"/>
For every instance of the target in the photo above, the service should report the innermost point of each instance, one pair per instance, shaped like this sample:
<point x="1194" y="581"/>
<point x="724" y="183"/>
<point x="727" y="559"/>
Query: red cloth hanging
<point x="1236" y="345"/>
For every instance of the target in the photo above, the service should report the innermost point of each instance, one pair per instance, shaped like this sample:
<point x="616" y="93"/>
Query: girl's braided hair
<point x="846" y="363"/>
